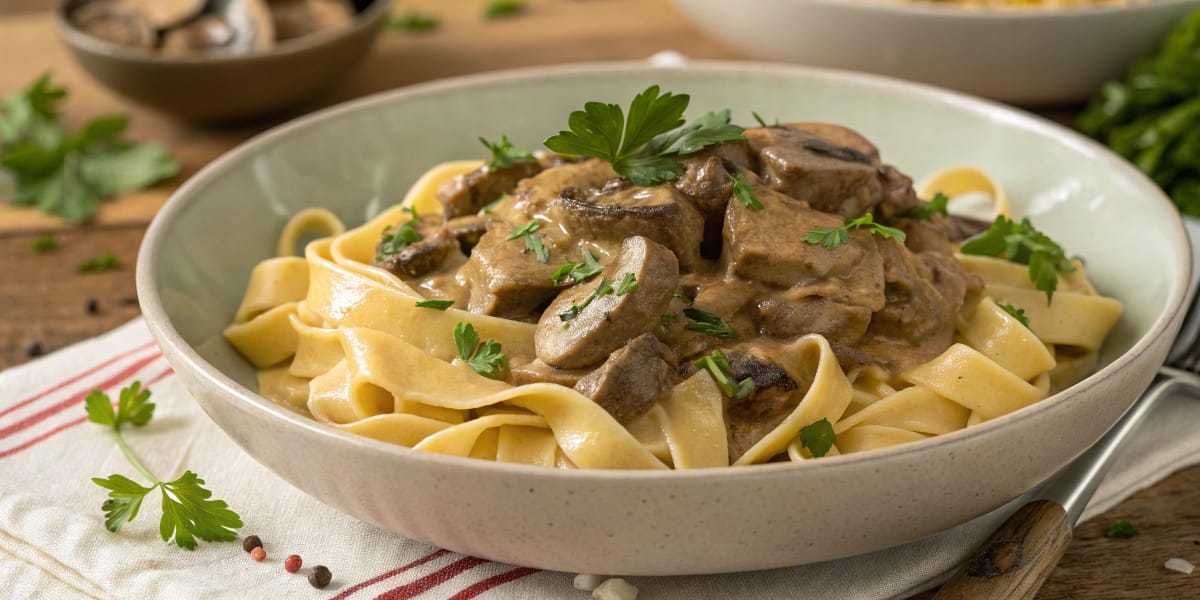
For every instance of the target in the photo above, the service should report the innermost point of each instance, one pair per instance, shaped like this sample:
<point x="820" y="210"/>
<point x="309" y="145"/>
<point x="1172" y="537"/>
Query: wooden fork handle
<point x="1017" y="559"/>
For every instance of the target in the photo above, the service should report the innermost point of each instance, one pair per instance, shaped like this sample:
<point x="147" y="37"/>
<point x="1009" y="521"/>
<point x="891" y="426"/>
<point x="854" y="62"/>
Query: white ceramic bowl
<point x="1031" y="56"/>
<point x="361" y="156"/>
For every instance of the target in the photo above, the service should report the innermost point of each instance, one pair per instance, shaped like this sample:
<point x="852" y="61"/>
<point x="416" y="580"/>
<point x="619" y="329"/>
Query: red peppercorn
<point x="292" y="563"/>
<point x="258" y="553"/>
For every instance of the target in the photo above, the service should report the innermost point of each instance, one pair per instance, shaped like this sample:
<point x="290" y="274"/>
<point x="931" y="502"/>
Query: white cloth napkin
<point x="53" y="543"/>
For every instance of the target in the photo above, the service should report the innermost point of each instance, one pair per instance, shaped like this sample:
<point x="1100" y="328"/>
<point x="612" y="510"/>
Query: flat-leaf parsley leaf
<point x="832" y="237"/>
<point x="1023" y="244"/>
<point x="718" y="367"/>
<point x="818" y="437"/>
<point x="486" y="358"/>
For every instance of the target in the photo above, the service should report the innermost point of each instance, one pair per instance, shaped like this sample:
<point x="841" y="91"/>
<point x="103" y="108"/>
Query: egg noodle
<point x="343" y="341"/>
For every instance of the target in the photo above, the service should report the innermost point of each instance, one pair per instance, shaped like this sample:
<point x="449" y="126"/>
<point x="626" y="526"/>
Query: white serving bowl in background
<point x="360" y="157"/>
<point x="1023" y="55"/>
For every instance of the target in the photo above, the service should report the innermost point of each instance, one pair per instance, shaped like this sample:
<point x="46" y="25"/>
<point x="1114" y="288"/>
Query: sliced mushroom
<point x="165" y="14"/>
<point x="112" y="21"/>
<point x="295" y="18"/>
<point x="583" y="326"/>
<point x="633" y="378"/>
<point x="251" y="22"/>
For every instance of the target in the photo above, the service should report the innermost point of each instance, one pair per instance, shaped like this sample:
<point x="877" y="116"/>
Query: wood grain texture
<point x="42" y="298"/>
<point x="1014" y="563"/>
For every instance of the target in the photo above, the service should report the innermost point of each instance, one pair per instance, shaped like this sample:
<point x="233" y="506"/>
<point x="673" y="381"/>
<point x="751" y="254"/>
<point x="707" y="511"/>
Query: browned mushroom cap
<point x="209" y="32"/>
<point x="294" y="18"/>
<point x="165" y="14"/>
<point x="112" y="21"/>
<point x="585" y="324"/>
<point x="251" y="22"/>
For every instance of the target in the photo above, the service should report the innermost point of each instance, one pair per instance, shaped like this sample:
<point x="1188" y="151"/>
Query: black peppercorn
<point x="251" y="542"/>
<point x="33" y="349"/>
<point x="91" y="306"/>
<point x="320" y="576"/>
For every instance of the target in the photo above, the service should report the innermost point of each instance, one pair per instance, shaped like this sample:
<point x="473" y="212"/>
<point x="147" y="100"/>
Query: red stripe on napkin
<point x="432" y="580"/>
<point x="74" y="379"/>
<point x="77" y="398"/>
<point x="394" y="572"/>
<point x="43" y="437"/>
<point x="494" y="581"/>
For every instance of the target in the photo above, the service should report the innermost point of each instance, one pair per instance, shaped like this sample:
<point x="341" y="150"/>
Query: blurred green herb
<point x="414" y="21"/>
<point x="938" y="205"/>
<point x="1152" y="117"/>
<point x="46" y="243"/>
<point x="502" y="8"/>
<point x="1016" y="313"/>
<point x="1121" y="529"/>
<point x="105" y="261"/>
<point x="68" y="173"/>
<point x="504" y="154"/>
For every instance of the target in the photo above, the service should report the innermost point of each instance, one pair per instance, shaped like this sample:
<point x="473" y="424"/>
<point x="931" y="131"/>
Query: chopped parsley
<point x="485" y="358"/>
<point x="577" y="272"/>
<point x="502" y="8"/>
<point x="504" y="154"/>
<point x="1017" y="313"/>
<point x="533" y="243"/>
<point x="1121" y="529"/>
<point x="832" y="237"/>
<point x="414" y="21"/>
<point x="1023" y="244"/>
<point x="603" y="289"/>
<point x="435" y="304"/>
<point x="628" y="284"/>
<point x="395" y="241"/>
<point x="645" y="148"/>
<point x="708" y="324"/>
<point x="45" y="243"/>
<point x="744" y="193"/>
<point x="679" y="294"/>
<point x="818" y="437"/>
<point x="936" y="206"/>
<point x="718" y="367"/>
<point x="105" y="261"/>
<point x="762" y="122"/>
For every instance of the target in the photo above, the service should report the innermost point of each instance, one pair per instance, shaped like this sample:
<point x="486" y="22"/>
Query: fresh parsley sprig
<point x="188" y="511"/>
<point x="44" y="244"/>
<point x="718" y="367"/>
<point x="435" y="304"/>
<point x="832" y="237"/>
<point x="645" y="147"/>
<point x="938" y="205"/>
<point x="744" y="192"/>
<point x="504" y="154"/>
<point x="395" y="241"/>
<point x="578" y="272"/>
<point x="1023" y="244"/>
<point x="502" y="8"/>
<point x="533" y="242"/>
<point x="818" y="437"/>
<point x="68" y="174"/>
<point x="603" y="289"/>
<point x="628" y="284"/>
<point x="708" y="324"/>
<point x="486" y="358"/>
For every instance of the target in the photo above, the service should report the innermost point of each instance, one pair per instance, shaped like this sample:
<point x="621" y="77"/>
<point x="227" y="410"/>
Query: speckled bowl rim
<point x="73" y="36"/>
<point x="915" y="8"/>
<point x="183" y="356"/>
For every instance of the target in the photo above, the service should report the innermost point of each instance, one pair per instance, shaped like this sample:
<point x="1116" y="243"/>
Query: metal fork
<point x="1021" y="554"/>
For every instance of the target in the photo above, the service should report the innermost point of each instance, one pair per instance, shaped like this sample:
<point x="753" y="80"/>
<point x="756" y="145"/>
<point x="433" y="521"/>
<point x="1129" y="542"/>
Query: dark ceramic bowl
<point x="225" y="87"/>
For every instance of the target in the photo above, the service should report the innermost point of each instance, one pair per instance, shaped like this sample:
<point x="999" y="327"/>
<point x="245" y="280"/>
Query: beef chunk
<point x="505" y="280"/>
<point x="632" y="379"/>
<point x="834" y="179"/>
<point x="467" y="194"/>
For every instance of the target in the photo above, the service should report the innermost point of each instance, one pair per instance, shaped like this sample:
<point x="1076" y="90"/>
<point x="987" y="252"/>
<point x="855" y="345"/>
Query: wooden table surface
<point x="43" y="299"/>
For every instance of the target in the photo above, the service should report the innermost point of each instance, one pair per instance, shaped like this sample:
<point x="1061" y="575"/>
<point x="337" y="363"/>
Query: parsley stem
<point x="132" y="458"/>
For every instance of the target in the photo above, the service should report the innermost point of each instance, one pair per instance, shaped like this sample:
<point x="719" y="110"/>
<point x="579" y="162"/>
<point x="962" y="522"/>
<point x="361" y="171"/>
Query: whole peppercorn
<point x="91" y="306"/>
<point x="251" y="542"/>
<point x="258" y="554"/>
<point x="292" y="563"/>
<point x="33" y="349"/>
<point x="320" y="576"/>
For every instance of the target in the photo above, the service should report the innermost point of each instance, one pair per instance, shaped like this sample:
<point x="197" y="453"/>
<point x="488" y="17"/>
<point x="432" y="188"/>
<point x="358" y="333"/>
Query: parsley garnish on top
<point x="485" y="358"/>
<point x="577" y="272"/>
<point x="709" y="324"/>
<point x="936" y="206"/>
<point x="603" y="289"/>
<point x="395" y="241"/>
<point x="188" y="512"/>
<point x="533" y="242"/>
<point x="832" y="237"/>
<point x="818" y="437"/>
<point x="645" y="146"/>
<point x="718" y="367"/>
<point x="1022" y="244"/>
<point x="435" y="304"/>
<point x="504" y="154"/>
<point x="744" y="192"/>
<point x="628" y="284"/>
<point x="68" y="173"/>
<point x="1017" y="313"/>
<point x="414" y="21"/>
